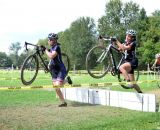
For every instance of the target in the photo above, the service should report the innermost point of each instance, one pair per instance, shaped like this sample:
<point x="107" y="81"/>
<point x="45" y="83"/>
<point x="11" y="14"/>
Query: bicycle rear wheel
<point x="121" y="78"/>
<point x="66" y="61"/>
<point x="98" y="62"/>
<point x="29" y="69"/>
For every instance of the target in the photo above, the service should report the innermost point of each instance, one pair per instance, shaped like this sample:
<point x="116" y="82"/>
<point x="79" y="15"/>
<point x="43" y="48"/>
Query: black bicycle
<point x="100" y="60"/>
<point x="33" y="62"/>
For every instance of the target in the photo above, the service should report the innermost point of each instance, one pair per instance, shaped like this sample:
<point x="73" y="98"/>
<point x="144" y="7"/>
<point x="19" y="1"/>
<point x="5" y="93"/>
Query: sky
<point x="31" y="20"/>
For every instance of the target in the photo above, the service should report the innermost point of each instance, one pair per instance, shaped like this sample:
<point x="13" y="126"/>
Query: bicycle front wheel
<point x="66" y="61"/>
<point x="121" y="78"/>
<point x="29" y="69"/>
<point x="98" y="62"/>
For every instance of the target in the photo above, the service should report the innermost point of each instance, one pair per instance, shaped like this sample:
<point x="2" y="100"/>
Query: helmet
<point x="131" y="32"/>
<point x="52" y="36"/>
<point x="157" y="56"/>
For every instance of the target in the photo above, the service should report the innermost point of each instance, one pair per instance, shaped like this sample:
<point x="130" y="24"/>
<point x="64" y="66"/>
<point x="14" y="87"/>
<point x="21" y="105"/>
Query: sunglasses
<point x="49" y="39"/>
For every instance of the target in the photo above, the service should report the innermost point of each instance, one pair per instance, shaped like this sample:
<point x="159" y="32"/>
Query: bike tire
<point x="98" y="62"/>
<point x="121" y="78"/>
<point x="29" y="69"/>
<point x="66" y="61"/>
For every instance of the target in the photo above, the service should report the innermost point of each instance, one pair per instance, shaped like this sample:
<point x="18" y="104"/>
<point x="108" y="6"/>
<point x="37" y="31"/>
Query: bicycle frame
<point x="37" y="53"/>
<point x="31" y="64"/>
<point x="110" y="49"/>
<point x="102" y="59"/>
<point x="115" y="67"/>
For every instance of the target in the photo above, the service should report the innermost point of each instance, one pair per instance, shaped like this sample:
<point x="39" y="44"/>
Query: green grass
<point x="45" y="79"/>
<point x="37" y="109"/>
<point x="17" y="98"/>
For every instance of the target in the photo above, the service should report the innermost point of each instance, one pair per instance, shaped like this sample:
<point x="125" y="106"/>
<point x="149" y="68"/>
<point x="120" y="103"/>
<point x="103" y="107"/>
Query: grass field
<point x="37" y="109"/>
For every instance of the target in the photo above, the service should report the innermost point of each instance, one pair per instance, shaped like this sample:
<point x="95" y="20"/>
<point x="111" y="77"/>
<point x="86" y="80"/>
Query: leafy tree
<point x="15" y="47"/>
<point x="151" y="40"/>
<point x="122" y="16"/>
<point x="22" y="57"/>
<point x="118" y="18"/>
<point x="80" y="38"/>
<point x="5" y="61"/>
<point x="14" y="50"/>
<point x="156" y="13"/>
<point x="43" y="42"/>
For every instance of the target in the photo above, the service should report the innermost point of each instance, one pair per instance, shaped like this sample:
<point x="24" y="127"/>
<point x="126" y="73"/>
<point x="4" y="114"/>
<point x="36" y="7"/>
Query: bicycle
<point x="156" y="71"/>
<point x="31" y="64"/>
<point x="100" y="60"/>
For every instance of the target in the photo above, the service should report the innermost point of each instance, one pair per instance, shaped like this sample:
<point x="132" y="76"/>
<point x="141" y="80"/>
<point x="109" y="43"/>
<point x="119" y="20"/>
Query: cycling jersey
<point x="158" y="61"/>
<point x="130" y="56"/>
<point x="57" y="67"/>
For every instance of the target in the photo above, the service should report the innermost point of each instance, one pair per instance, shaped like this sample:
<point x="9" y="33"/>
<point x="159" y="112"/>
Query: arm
<point x="52" y="54"/>
<point x="154" y="64"/>
<point x="123" y="47"/>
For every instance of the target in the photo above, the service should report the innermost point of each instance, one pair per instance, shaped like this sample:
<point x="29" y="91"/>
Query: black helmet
<point x="52" y="36"/>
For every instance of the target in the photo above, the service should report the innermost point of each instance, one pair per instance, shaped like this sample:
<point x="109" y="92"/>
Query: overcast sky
<point x="31" y="20"/>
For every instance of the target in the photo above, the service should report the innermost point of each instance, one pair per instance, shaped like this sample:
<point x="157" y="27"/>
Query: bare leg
<point x="135" y="86"/>
<point x="58" y="90"/>
<point x="60" y="95"/>
<point x="125" y="68"/>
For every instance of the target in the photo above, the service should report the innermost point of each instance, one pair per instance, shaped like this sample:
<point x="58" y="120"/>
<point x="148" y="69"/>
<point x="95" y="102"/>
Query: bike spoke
<point x="29" y="70"/>
<point x="97" y="62"/>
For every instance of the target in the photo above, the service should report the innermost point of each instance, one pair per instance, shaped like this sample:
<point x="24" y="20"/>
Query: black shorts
<point x="58" y="73"/>
<point x="134" y="64"/>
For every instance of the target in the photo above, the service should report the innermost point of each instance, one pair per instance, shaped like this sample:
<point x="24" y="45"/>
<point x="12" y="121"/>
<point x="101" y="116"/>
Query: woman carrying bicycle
<point x="130" y="62"/>
<point x="57" y="67"/>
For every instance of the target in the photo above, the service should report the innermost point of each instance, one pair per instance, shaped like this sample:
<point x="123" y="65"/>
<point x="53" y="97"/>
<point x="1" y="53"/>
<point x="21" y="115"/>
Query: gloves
<point x="113" y="39"/>
<point x="100" y="37"/>
<point x="43" y="48"/>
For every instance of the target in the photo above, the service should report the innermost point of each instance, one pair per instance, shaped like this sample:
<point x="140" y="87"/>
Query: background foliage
<point x="82" y="34"/>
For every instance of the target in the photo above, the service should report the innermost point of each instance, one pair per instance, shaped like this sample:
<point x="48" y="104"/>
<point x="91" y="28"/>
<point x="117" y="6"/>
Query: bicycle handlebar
<point x="111" y="39"/>
<point x="38" y="48"/>
<point x="107" y="38"/>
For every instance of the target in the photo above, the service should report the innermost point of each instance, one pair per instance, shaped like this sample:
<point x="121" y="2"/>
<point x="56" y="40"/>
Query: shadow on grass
<point x="78" y="104"/>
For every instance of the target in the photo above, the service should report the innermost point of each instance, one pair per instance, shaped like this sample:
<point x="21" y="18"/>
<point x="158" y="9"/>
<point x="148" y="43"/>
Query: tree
<point x="151" y="40"/>
<point x="80" y="38"/>
<point x="22" y="57"/>
<point x="65" y="40"/>
<point x="156" y="13"/>
<point x="14" y="49"/>
<point x="43" y="42"/>
<point x="122" y="16"/>
<point x="5" y="61"/>
<point x="118" y="18"/>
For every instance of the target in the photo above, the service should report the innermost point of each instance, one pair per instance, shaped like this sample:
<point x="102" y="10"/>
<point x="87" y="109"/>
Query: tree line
<point x="83" y="33"/>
